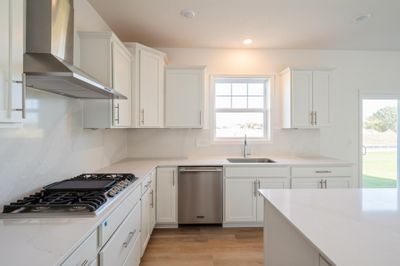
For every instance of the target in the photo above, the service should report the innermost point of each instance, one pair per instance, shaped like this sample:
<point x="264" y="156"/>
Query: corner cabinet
<point x="184" y="97"/>
<point x="12" y="91"/>
<point x="112" y="68"/>
<point x="148" y="83"/>
<point x="305" y="94"/>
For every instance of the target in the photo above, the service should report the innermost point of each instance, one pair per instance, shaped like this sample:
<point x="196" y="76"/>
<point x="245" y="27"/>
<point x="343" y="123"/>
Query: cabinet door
<point x="184" y="97"/>
<point x="166" y="196"/>
<point x="307" y="182"/>
<point x="11" y="60"/>
<point x="145" y="224"/>
<point x="153" y="202"/>
<point x="338" y="182"/>
<point x="151" y="79"/>
<point x="121" y="70"/>
<point x="321" y="80"/>
<point x="240" y="200"/>
<point x="301" y="98"/>
<point x="268" y="183"/>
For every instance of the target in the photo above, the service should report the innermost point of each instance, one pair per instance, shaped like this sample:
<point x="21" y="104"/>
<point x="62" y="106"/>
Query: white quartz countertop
<point x="49" y="241"/>
<point x="352" y="227"/>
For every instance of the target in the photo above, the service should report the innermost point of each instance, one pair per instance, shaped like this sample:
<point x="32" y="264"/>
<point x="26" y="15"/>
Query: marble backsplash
<point x="52" y="145"/>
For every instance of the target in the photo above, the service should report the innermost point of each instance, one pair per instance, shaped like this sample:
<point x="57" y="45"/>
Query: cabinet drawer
<point x="146" y="183"/>
<point x="111" y="223"/>
<point x="321" y="171"/>
<point x="121" y="243"/>
<point x="85" y="254"/>
<point x="133" y="258"/>
<point x="255" y="171"/>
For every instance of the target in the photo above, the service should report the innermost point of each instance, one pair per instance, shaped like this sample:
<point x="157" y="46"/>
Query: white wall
<point x="52" y="145"/>
<point x="354" y="71"/>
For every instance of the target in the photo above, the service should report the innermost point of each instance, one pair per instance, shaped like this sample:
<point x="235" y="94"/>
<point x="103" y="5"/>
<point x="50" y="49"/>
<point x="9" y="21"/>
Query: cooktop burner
<point x="82" y="194"/>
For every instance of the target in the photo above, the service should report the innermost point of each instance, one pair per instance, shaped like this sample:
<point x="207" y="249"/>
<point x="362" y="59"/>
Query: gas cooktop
<point x="83" y="194"/>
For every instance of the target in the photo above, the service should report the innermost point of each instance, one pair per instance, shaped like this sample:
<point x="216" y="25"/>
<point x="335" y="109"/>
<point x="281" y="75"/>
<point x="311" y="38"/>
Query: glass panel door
<point x="379" y="143"/>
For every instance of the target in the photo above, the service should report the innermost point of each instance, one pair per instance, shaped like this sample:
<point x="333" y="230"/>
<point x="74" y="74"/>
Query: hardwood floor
<point x="205" y="246"/>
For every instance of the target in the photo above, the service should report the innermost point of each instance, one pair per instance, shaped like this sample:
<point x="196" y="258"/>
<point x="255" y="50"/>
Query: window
<point x="241" y="108"/>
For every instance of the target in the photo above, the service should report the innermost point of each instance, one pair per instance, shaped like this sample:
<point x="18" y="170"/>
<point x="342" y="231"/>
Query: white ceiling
<point x="275" y="24"/>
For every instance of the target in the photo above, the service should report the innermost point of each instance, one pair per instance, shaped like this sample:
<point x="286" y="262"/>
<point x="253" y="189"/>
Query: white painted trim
<point x="379" y="95"/>
<point x="269" y="105"/>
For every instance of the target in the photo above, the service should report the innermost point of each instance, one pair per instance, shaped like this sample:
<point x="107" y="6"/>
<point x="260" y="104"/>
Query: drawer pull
<point x="130" y="235"/>
<point x="85" y="262"/>
<point x="323" y="172"/>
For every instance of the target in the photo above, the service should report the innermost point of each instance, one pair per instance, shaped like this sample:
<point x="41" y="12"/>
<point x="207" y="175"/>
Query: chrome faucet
<point x="245" y="153"/>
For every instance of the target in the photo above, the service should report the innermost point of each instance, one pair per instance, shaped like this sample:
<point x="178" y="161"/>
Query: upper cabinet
<point x="148" y="84"/>
<point x="305" y="98"/>
<point x="12" y="82"/>
<point x="105" y="58"/>
<point x="184" y="97"/>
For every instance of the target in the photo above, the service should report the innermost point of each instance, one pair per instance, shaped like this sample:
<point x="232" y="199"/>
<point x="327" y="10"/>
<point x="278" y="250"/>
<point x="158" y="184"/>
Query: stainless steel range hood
<point x="48" y="61"/>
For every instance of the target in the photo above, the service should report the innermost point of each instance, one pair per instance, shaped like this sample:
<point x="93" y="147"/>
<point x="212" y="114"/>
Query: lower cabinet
<point x="122" y="242"/>
<point x="86" y="254"/>
<point x="148" y="210"/>
<point x="321" y="182"/>
<point x="167" y="193"/>
<point x="243" y="203"/>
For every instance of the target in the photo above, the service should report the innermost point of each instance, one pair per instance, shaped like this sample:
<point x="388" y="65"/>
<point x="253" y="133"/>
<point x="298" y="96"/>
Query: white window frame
<point x="268" y="93"/>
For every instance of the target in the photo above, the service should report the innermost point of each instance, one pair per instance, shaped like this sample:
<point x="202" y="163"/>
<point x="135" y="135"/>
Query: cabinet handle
<point x="142" y="122"/>
<point x="23" y="107"/>
<point x="326" y="183"/>
<point x="85" y="262"/>
<point x="316" y="118"/>
<point x="117" y="118"/>
<point x="320" y="183"/>
<point x="255" y="188"/>
<point x="323" y="172"/>
<point x="152" y="199"/>
<point x="173" y="178"/>
<point x="130" y="235"/>
<point x="312" y="118"/>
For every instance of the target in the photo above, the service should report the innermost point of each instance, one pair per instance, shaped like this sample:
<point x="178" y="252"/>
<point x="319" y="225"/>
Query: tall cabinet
<point x="148" y="83"/>
<point x="305" y="94"/>
<point x="113" y="68"/>
<point x="12" y="93"/>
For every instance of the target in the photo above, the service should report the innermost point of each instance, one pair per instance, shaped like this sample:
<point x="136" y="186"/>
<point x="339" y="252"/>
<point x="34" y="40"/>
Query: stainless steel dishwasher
<point x="200" y="195"/>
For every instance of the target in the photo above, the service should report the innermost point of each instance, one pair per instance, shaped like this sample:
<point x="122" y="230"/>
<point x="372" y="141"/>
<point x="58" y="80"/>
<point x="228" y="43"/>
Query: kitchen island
<point x="344" y="227"/>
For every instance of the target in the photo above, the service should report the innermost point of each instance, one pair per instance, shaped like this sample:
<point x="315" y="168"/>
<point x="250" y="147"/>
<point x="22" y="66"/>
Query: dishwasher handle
<point x="200" y="169"/>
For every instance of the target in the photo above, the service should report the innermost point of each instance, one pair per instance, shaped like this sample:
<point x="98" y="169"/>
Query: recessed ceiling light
<point x="247" y="41"/>
<point x="362" y="18"/>
<point x="188" y="13"/>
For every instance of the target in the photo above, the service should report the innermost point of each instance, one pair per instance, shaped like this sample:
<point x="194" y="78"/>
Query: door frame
<point x="379" y="95"/>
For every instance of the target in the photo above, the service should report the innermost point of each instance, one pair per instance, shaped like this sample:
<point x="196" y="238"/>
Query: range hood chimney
<point x="48" y="61"/>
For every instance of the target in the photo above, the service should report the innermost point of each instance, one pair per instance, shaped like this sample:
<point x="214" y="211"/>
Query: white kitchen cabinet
<point x="166" y="196"/>
<point x="240" y="200"/>
<point x="268" y="183"/>
<point x="184" y="97"/>
<point x="148" y="210"/>
<point x="152" y="201"/>
<point x="305" y="94"/>
<point x="122" y="241"/>
<point x="85" y="254"/>
<point x="321" y="177"/>
<point x="112" y="68"/>
<point x="12" y="93"/>
<point x="148" y="84"/>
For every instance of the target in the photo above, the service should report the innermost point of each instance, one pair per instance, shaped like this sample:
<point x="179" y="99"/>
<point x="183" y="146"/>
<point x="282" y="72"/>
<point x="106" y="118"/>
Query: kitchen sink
<point x="250" y="160"/>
